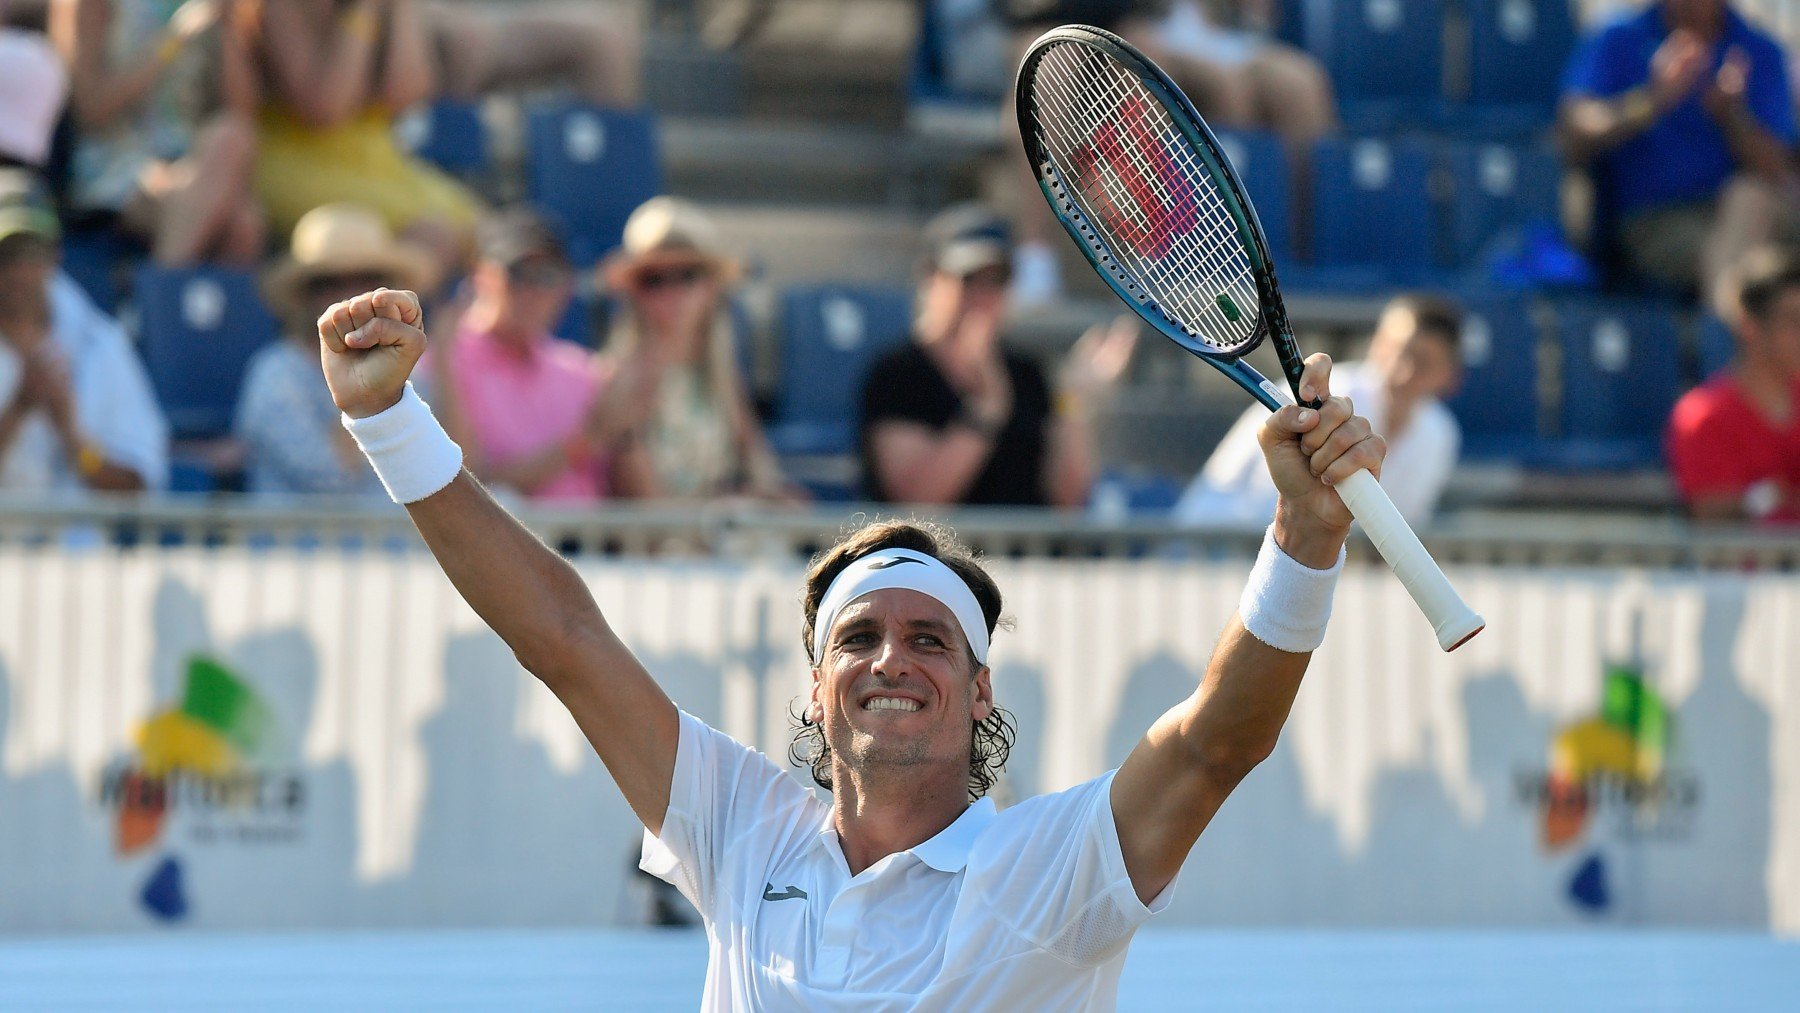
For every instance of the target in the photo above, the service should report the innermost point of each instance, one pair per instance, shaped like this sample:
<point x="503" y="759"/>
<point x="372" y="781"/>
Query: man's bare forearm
<point x="541" y="607"/>
<point x="522" y="589"/>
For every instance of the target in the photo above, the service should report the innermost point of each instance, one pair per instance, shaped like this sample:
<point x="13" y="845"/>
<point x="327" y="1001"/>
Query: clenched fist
<point x="1309" y="450"/>
<point x="369" y="345"/>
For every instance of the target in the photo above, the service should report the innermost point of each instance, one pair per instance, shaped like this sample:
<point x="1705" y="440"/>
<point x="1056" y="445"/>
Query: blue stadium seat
<point x="98" y="259"/>
<point x="199" y="327"/>
<point x="449" y="134"/>
<point x="1715" y="344"/>
<point x="1372" y="208"/>
<point x="1385" y="57"/>
<point x="1261" y="159"/>
<point x="1517" y="49"/>
<point x="588" y="168"/>
<point x="1495" y="190"/>
<point x="830" y="335"/>
<point x="1621" y="374"/>
<point x="1497" y="404"/>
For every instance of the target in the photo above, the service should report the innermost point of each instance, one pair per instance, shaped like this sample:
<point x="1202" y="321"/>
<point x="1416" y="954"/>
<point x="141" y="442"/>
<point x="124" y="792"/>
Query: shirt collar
<point x="947" y="851"/>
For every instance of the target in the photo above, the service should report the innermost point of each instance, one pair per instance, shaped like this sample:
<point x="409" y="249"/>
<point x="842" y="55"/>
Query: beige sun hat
<point x="668" y="230"/>
<point x="337" y="239"/>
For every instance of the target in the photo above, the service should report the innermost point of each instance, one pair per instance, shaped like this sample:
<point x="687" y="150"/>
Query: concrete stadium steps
<point x="819" y="164"/>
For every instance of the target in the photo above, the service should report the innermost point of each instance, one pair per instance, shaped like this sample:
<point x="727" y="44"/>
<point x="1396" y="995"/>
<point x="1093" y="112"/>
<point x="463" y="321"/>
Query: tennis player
<point x="908" y="890"/>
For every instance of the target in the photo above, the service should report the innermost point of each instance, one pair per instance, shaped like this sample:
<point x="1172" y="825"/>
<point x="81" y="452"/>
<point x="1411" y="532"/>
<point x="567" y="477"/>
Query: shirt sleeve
<point x="1052" y="867"/>
<point x="1700" y="442"/>
<point x="117" y="408"/>
<point x="723" y="795"/>
<point x="1234" y="484"/>
<point x="1594" y="69"/>
<point x="899" y="387"/>
<point x="270" y="421"/>
<point x="1769" y="94"/>
<point x="1415" y="476"/>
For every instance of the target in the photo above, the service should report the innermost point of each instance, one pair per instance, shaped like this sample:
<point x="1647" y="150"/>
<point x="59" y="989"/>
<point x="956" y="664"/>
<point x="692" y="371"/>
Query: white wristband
<point x="1286" y="604"/>
<point x="412" y="454"/>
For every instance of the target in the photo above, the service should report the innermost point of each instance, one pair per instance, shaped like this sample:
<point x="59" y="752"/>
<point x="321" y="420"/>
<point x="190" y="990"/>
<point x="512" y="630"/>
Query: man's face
<point x="1777" y="335"/>
<point x="1415" y="363"/>
<point x="531" y="294"/>
<point x="894" y="688"/>
<point x="966" y="305"/>
<point x="26" y="263"/>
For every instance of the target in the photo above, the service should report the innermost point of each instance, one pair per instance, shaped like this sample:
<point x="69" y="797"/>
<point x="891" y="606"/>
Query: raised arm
<point x="1195" y="755"/>
<point x="409" y="75"/>
<point x="326" y="78"/>
<point x="527" y="593"/>
<point x="1590" y="125"/>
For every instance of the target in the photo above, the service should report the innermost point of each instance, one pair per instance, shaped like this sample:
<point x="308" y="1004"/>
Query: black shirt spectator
<point x="905" y="385"/>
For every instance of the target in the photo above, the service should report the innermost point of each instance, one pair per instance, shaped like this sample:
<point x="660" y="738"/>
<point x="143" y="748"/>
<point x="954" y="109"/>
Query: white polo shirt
<point x="1027" y="909"/>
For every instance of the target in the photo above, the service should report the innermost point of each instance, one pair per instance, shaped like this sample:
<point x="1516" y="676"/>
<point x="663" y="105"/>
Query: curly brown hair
<point x="991" y="739"/>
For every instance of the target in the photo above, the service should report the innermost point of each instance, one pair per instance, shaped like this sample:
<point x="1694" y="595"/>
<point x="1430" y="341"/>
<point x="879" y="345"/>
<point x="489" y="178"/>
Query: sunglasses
<point x="651" y="279"/>
<point x="538" y="273"/>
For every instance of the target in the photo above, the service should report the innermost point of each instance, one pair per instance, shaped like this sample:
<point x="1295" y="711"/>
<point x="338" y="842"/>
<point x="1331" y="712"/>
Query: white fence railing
<point x="741" y="531"/>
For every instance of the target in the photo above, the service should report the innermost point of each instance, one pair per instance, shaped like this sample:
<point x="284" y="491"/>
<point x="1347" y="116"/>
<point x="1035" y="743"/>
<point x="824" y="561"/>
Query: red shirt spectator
<point x="1722" y="446"/>
<point x="1734" y="443"/>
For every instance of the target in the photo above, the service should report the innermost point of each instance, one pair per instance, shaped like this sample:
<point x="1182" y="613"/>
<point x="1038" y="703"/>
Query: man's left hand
<point x="1309" y="451"/>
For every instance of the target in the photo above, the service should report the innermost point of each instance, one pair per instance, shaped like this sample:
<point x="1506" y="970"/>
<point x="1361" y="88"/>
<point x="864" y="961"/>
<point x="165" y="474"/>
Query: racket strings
<point x="1133" y="173"/>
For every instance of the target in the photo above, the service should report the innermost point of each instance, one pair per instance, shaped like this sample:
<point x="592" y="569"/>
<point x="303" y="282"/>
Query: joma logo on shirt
<point x="791" y="893"/>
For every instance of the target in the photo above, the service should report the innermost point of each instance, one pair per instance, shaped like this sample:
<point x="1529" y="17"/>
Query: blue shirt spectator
<point x="1683" y="116"/>
<point x="290" y="426"/>
<point x="1684" y="155"/>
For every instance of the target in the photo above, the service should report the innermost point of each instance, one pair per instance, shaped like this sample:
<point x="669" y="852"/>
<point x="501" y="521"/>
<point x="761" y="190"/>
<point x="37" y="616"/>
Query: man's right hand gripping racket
<point x="1142" y="186"/>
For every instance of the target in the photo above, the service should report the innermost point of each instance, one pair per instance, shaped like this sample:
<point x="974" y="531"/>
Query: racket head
<point x="1147" y="193"/>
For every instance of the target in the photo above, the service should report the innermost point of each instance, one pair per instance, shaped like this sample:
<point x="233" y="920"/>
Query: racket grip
<point x="1454" y="622"/>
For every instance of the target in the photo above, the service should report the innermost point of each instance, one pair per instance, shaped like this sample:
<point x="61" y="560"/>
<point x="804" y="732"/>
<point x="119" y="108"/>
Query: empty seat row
<point x="1474" y="63"/>
<point x="1577" y="383"/>
<point x="1405" y="211"/>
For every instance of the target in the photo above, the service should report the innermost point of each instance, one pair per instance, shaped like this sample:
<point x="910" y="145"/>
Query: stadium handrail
<point x="737" y="529"/>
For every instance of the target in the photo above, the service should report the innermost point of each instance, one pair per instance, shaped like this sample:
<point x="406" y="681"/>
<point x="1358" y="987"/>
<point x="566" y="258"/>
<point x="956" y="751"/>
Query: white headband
<point x="916" y="571"/>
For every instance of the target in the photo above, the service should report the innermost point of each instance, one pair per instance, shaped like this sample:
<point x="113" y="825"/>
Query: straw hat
<point x="668" y="230"/>
<point x="339" y="239"/>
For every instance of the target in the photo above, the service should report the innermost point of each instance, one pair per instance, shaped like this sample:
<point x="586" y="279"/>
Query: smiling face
<point x="897" y="686"/>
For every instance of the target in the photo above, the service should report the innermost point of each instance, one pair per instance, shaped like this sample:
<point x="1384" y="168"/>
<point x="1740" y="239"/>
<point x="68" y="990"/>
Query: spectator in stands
<point x="954" y="417"/>
<point x="1221" y="55"/>
<point x="670" y="364"/>
<point x="598" y="53"/>
<point x="1683" y="115"/>
<point x="1252" y="80"/>
<point x="164" y="99"/>
<point x="1414" y="360"/>
<point x="526" y="402"/>
<point x="336" y="75"/>
<point x="76" y="408"/>
<point x="285" y="416"/>
<point x="32" y="88"/>
<point x="1734" y="442"/>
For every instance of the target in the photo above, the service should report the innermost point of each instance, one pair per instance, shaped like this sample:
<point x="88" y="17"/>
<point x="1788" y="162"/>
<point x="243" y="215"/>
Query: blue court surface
<point x="1168" y="970"/>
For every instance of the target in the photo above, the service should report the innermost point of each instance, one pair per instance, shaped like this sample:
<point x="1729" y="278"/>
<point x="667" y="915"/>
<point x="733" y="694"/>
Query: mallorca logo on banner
<point x="204" y="773"/>
<point x="1613" y="778"/>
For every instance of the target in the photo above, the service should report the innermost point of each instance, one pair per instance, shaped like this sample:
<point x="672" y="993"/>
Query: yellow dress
<point x="299" y="168"/>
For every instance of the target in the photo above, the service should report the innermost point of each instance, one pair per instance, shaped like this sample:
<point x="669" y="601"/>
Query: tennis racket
<point x="1142" y="186"/>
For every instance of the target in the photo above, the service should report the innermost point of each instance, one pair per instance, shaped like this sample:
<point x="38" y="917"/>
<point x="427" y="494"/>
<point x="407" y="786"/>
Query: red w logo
<point x="1131" y="180"/>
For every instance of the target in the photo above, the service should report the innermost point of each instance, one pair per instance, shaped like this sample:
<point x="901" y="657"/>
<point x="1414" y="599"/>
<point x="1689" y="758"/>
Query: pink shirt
<point x="516" y="405"/>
